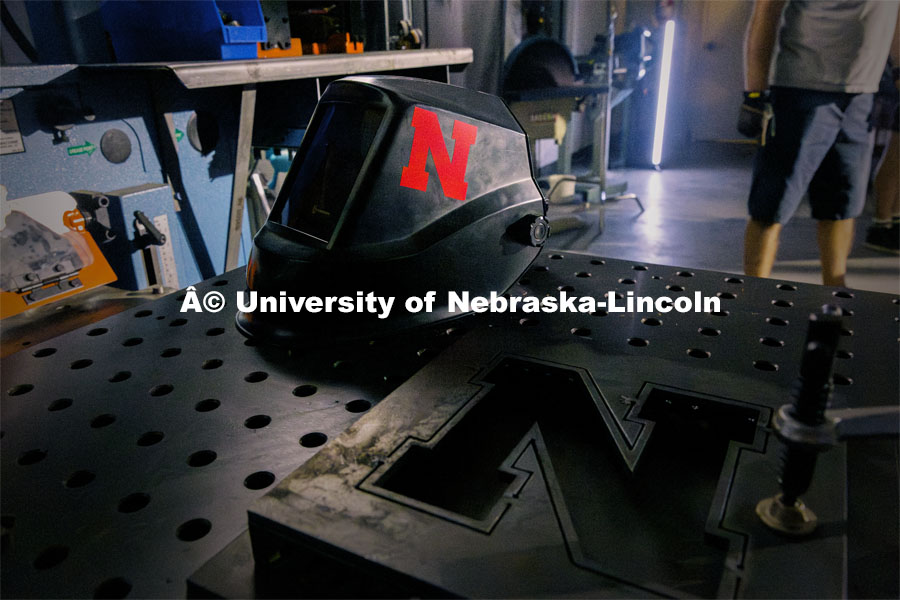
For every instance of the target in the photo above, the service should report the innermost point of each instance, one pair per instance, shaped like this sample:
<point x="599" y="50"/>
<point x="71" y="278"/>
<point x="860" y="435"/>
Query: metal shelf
<point x="195" y="75"/>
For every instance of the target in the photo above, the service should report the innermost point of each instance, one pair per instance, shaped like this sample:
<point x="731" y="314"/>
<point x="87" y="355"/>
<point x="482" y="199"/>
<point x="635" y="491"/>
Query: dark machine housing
<point x="350" y="220"/>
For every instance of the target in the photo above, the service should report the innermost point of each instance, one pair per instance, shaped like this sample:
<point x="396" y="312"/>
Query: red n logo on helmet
<point x="428" y="136"/>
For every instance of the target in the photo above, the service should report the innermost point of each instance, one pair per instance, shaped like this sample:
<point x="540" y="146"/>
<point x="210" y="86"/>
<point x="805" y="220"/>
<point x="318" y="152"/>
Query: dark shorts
<point x="822" y="144"/>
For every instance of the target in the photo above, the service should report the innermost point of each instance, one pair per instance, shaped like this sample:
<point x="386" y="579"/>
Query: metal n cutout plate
<point x="489" y="475"/>
<point x="602" y="455"/>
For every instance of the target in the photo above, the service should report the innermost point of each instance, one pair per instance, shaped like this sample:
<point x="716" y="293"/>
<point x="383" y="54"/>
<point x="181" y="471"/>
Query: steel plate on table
<point x="131" y="448"/>
<point x="603" y="455"/>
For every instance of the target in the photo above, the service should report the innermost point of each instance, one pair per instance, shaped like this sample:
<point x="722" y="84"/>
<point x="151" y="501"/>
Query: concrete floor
<point x="695" y="217"/>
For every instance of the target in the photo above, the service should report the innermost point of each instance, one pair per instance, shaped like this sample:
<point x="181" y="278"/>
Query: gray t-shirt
<point x="834" y="45"/>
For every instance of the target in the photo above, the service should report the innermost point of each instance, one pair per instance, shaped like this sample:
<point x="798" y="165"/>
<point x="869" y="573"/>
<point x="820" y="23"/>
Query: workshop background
<point x="143" y="145"/>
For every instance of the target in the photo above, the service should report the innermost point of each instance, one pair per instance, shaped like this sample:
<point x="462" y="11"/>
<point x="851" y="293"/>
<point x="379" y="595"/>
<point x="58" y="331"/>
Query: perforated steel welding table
<point x="133" y="448"/>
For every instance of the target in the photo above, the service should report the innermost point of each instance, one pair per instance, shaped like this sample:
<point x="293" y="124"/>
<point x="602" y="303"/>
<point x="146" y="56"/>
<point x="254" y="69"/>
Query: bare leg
<point x="887" y="182"/>
<point x="835" y="239"/>
<point x="760" y="247"/>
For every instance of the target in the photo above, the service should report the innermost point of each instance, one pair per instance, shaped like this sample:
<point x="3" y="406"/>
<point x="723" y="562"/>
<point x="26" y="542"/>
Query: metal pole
<point x="241" y="172"/>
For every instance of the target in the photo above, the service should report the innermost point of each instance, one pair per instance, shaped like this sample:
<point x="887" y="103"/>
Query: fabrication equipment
<point x="170" y="141"/>
<point x="47" y="252"/>
<point x="543" y="84"/>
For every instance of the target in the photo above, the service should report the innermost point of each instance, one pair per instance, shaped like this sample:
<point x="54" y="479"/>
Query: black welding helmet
<point x="400" y="187"/>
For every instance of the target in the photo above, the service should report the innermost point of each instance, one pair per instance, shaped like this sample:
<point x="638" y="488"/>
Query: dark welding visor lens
<point x="328" y="165"/>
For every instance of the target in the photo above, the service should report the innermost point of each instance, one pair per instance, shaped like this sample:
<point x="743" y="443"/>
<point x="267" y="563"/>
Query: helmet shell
<point x="400" y="187"/>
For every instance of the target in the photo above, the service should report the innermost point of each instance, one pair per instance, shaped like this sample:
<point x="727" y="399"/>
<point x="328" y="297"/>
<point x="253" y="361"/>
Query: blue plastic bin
<point x="153" y="30"/>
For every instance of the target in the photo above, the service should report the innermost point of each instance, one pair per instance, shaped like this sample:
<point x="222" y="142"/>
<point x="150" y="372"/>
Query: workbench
<point x="134" y="449"/>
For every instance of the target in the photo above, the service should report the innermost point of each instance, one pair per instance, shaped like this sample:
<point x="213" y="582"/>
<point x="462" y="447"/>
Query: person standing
<point x="827" y="64"/>
<point x="884" y="233"/>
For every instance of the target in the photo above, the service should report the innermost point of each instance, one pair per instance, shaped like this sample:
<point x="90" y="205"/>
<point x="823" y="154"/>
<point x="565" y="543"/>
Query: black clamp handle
<point x="146" y="233"/>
